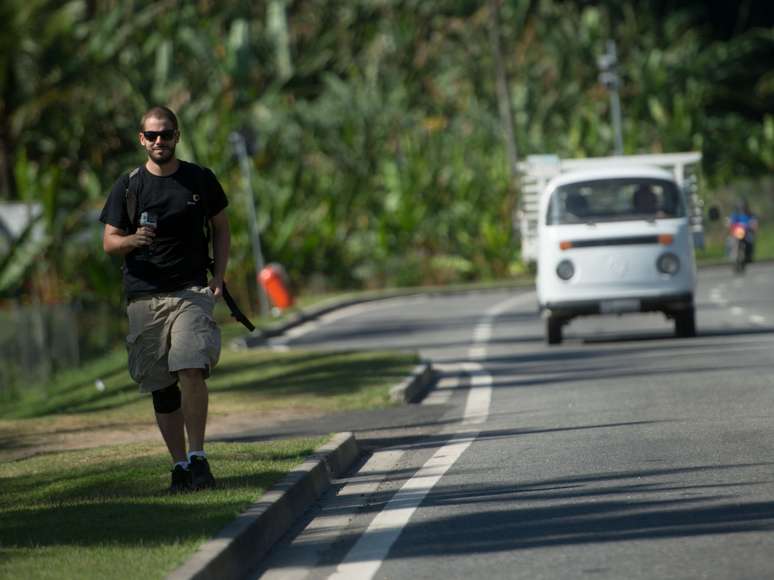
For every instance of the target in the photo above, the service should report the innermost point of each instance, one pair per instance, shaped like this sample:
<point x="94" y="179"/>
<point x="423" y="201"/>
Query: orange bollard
<point x="274" y="281"/>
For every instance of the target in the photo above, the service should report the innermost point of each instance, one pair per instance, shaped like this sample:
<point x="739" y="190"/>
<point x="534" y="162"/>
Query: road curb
<point x="414" y="386"/>
<point x="259" y="336"/>
<point x="240" y="545"/>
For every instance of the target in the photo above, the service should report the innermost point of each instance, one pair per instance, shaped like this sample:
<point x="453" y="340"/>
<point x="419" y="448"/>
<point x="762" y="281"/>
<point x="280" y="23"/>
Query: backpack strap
<point x="207" y="225"/>
<point x="130" y="196"/>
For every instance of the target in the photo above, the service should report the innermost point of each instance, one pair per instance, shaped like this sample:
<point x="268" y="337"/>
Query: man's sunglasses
<point x="166" y="135"/>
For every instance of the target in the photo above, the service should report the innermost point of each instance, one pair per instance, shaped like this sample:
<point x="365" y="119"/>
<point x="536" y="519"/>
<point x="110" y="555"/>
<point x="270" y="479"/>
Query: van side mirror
<point x="713" y="213"/>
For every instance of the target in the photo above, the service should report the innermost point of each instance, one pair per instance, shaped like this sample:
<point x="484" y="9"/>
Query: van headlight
<point x="668" y="264"/>
<point x="565" y="270"/>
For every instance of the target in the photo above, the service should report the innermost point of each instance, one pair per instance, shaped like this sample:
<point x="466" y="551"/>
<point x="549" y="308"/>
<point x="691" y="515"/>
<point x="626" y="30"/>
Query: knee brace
<point x="167" y="400"/>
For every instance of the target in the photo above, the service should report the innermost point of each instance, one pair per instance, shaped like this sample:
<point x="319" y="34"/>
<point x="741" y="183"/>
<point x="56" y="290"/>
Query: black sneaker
<point x="181" y="480"/>
<point x="201" y="476"/>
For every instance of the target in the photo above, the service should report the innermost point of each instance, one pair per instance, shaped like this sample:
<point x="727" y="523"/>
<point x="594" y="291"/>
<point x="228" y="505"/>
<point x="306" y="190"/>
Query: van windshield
<point x="613" y="200"/>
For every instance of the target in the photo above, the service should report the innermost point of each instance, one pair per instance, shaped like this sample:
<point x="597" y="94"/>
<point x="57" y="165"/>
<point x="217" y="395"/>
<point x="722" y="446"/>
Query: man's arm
<point x="221" y="244"/>
<point x="116" y="242"/>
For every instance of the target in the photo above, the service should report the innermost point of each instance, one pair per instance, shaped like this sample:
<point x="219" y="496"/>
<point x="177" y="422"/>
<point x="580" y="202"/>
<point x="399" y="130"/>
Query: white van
<point x="615" y="240"/>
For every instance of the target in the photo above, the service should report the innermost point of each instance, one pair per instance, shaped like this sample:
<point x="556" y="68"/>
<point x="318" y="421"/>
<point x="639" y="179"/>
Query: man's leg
<point x="147" y="339"/>
<point x="194" y="350"/>
<point x="169" y="417"/>
<point x="172" y="427"/>
<point x="195" y="405"/>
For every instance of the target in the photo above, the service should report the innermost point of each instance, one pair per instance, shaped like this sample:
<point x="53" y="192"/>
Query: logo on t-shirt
<point x="195" y="199"/>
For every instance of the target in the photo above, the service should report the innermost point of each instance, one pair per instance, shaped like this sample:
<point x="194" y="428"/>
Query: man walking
<point x="160" y="218"/>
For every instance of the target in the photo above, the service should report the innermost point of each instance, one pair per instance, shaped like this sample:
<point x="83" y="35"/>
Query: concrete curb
<point x="259" y="336"/>
<point x="242" y="543"/>
<point x="413" y="387"/>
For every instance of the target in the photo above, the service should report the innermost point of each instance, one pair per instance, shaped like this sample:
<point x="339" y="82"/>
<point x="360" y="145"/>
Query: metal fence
<point x="38" y="340"/>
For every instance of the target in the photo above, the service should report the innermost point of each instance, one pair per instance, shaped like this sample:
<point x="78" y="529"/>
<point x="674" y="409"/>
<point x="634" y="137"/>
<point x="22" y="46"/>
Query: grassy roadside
<point x="251" y="380"/>
<point x="83" y="471"/>
<point x="101" y="513"/>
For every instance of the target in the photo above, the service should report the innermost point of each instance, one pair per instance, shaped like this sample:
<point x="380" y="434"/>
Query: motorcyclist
<point x="743" y="216"/>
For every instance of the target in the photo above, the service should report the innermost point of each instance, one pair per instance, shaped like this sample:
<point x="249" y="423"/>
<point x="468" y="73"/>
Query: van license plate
<point x="623" y="305"/>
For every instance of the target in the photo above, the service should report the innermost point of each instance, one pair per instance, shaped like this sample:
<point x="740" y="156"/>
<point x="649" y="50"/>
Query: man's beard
<point x="162" y="156"/>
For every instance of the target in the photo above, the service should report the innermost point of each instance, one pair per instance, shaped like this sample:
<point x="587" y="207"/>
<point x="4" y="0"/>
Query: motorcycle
<point x="741" y="246"/>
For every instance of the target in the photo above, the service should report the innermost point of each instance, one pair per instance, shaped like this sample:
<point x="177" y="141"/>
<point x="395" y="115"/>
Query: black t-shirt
<point x="182" y="203"/>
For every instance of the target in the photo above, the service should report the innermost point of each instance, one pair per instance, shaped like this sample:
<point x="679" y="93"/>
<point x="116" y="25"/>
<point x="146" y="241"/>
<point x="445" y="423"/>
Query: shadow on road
<point x="580" y="509"/>
<point x="702" y="332"/>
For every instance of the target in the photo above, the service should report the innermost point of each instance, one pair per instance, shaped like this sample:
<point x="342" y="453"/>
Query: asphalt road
<point x="622" y="453"/>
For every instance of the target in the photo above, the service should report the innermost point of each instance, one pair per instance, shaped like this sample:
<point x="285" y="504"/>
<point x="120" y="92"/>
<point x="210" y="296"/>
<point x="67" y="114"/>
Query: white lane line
<point x="366" y="556"/>
<point x="483" y="330"/>
<point x="328" y="526"/>
<point x="480" y="395"/>
<point x="368" y="553"/>
<point x="506" y="305"/>
<point x="443" y="391"/>
<point x="477" y="353"/>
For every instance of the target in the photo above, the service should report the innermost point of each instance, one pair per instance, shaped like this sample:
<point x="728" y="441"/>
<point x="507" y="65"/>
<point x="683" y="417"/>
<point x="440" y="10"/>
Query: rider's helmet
<point x="742" y="207"/>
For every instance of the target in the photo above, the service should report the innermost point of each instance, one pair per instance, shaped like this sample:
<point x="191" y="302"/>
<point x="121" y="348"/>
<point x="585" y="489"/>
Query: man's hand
<point x="117" y="242"/>
<point x="143" y="236"/>
<point x="216" y="285"/>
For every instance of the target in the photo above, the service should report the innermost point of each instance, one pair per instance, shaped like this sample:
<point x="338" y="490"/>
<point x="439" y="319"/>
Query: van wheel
<point x="553" y="330"/>
<point x="685" y="324"/>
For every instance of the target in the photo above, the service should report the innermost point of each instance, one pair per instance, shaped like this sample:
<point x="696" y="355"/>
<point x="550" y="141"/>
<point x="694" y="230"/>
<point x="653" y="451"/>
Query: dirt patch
<point x="22" y="439"/>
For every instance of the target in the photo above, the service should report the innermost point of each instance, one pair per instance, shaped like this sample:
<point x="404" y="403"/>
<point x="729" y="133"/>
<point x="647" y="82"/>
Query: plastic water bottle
<point x="147" y="220"/>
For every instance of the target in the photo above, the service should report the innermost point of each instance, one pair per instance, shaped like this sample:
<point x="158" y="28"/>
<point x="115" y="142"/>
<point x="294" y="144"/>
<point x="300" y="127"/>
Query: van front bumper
<point x="668" y="304"/>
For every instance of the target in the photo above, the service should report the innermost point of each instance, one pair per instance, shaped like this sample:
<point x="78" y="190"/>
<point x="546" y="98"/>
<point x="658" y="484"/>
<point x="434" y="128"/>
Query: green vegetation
<point x="376" y="142"/>
<point x="378" y="155"/>
<point x="100" y="513"/>
<point x="764" y="249"/>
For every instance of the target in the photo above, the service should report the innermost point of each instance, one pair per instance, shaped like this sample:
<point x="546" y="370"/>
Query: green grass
<point x="103" y="512"/>
<point x="100" y="510"/>
<point x="764" y="249"/>
<point x="246" y="388"/>
<point x="249" y="380"/>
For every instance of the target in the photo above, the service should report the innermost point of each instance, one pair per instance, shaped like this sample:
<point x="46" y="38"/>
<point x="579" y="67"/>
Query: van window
<point x="613" y="200"/>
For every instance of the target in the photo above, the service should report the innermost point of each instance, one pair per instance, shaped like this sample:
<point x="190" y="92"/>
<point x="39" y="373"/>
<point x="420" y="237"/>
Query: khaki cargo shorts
<point x="171" y="332"/>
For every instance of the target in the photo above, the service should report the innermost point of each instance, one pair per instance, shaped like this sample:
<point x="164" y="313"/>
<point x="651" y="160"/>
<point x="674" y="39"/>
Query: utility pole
<point x="239" y="144"/>
<point x="608" y="76"/>
<point x="503" y="89"/>
<point x="277" y="27"/>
